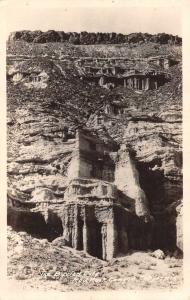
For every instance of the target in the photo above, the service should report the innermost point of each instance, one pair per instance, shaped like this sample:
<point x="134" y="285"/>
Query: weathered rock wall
<point x="38" y="153"/>
<point x="91" y="159"/>
<point x="158" y="149"/>
<point x="159" y="162"/>
<point x="127" y="180"/>
<point x="41" y="140"/>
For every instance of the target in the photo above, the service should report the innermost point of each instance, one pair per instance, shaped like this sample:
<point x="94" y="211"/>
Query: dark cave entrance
<point x="30" y="222"/>
<point x="164" y="235"/>
<point x="95" y="239"/>
<point x="54" y="226"/>
<point x="80" y="235"/>
<point x="154" y="183"/>
<point x="34" y="223"/>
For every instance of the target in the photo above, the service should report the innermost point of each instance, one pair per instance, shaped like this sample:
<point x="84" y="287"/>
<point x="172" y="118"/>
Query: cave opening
<point x="34" y="223"/>
<point x="30" y="222"/>
<point x="153" y="183"/>
<point x="95" y="239"/>
<point x="54" y="226"/>
<point x="80" y="235"/>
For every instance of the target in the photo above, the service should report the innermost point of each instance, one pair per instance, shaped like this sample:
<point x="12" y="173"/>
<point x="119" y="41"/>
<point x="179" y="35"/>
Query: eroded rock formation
<point x="102" y="200"/>
<point x="99" y="206"/>
<point x="107" y="189"/>
<point x="139" y="74"/>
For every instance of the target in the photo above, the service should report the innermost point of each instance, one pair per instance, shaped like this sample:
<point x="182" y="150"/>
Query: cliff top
<point x="90" y="38"/>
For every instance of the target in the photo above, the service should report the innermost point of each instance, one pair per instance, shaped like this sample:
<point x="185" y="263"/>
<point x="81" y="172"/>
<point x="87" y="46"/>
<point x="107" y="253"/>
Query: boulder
<point x="159" y="254"/>
<point x="60" y="242"/>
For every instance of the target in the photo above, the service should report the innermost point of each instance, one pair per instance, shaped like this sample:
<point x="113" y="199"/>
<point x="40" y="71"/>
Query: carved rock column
<point x="112" y="239"/>
<point x="76" y="227"/>
<point x="85" y="233"/>
<point x="147" y="86"/>
<point x="124" y="83"/>
<point x="66" y="225"/>
<point x="104" y="241"/>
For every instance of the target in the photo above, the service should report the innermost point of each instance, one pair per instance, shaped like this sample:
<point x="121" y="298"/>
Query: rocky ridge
<point x="92" y="38"/>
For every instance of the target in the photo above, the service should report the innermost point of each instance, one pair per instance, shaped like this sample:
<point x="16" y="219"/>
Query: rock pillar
<point x="143" y="84"/>
<point x="127" y="180"/>
<point x="85" y="233"/>
<point x="66" y="225"/>
<point x="135" y="83"/>
<point x="124" y="83"/>
<point x="147" y="85"/>
<point x="104" y="241"/>
<point x="76" y="228"/>
<point x="112" y="244"/>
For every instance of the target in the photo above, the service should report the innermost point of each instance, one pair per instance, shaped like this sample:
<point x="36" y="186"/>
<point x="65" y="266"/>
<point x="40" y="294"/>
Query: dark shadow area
<point x="34" y="224"/>
<point x="134" y="233"/>
<point x="173" y="62"/>
<point x="139" y="82"/>
<point x="154" y="183"/>
<point x="95" y="239"/>
<point x="80" y="234"/>
<point x="54" y="226"/>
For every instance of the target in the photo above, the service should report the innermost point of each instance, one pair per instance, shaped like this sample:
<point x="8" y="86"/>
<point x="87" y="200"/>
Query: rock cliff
<point x="48" y="103"/>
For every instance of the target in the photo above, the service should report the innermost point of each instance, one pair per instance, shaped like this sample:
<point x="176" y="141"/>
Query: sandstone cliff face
<point x="158" y="145"/>
<point x="38" y="154"/>
<point x="42" y="125"/>
<point x="127" y="180"/>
